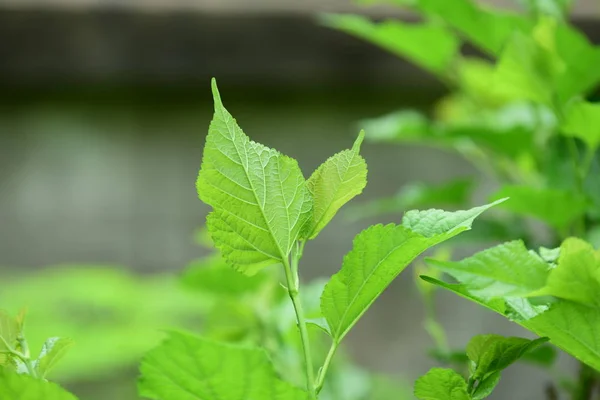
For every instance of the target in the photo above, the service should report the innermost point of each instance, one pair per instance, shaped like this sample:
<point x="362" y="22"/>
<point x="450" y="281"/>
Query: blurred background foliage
<point x="104" y="110"/>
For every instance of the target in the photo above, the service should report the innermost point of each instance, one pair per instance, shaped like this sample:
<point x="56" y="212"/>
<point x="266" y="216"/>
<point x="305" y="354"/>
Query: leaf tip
<point x="359" y="140"/>
<point x="215" y="92"/>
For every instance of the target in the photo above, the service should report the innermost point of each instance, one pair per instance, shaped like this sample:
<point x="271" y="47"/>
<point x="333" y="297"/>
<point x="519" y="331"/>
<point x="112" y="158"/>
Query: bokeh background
<point x="104" y="107"/>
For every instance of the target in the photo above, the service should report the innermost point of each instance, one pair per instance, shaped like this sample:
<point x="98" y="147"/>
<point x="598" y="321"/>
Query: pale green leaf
<point x="441" y="384"/>
<point x="505" y="270"/>
<point x="558" y="208"/>
<point x="430" y="46"/>
<point x="487" y="28"/>
<point x="378" y="255"/>
<point x="15" y="386"/>
<point x="525" y="70"/>
<point x="259" y="196"/>
<point x="493" y="353"/>
<point x="333" y="184"/>
<point x="581" y="60"/>
<point x="582" y="120"/>
<point x="577" y="274"/>
<point x="187" y="367"/>
<point x="9" y="331"/>
<point x="406" y="125"/>
<point x="53" y="350"/>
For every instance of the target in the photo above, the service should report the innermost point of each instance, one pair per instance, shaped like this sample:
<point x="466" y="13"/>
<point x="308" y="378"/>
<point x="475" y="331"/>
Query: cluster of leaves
<point x="521" y="111"/>
<point x="264" y="212"/>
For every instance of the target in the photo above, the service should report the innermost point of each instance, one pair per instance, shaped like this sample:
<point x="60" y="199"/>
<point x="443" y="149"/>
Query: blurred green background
<point x="103" y="113"/>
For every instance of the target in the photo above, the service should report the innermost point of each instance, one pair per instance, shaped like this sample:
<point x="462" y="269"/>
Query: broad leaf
<point x="493" y="353"/>
<point x="379" y="254"/>
<point x="582" y="120"/>
<point x="53" y="350"/>
<point x="577" y="274"/>
<point x="441" y="384"/>
<point x="558" y="208"/>
<point x="259" y="196"/>
<point x="430" y="46"/>
<point x="543" y="356"/>
<point x="333" y="184"/>
<point x="187" y="367"/>
<point x="15" y="386"/>
<point x="501" y="271"/>
<point x="486" y="28"/>
<point x="525" y="70"/>
<point x="581" y="60"/>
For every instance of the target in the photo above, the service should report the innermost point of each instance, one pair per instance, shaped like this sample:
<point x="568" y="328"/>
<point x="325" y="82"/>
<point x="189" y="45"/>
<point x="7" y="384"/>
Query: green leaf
<point x="379" y="254"/>
<point x="213" y="275"/>
<point x="554" y="8"/>
<point x="505" y="270"/>
<point x="334" y="183"/>
<point x="525" y="70"/>
<point x="582" y="120"/>
<point x="15" y="386"/>
<point x="487" y="28"/>
<point x="9" y="331"/>
<point x="259" y="196"/>
<point x="558" y="208"/>
<point x="187" y="367"/>
<point x="441" y="384"/>
<point x="493" y="353"/>
<point x="486" y="386"/>
<point x="428" y="45"/>
<point x="53" y="350"/>
<point x="405" y="125"/>
<point x="581" y="60"/>
<point x="577" y="274"/>
<point x="416" y="195"/>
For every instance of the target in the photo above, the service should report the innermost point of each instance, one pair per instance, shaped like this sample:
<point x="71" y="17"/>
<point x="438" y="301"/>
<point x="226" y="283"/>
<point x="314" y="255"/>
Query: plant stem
<point x="26" y="356"/>
<point x="585" y="383"/>
<point x="325" y="367"/>
<point x="291" y="275"/>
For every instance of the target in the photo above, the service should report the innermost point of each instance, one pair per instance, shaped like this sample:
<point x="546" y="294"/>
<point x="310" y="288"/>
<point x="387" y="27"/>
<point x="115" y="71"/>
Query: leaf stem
<point x="291" y="275"/>
<point x="26" y="356"/>
<point x="325" y="367"/>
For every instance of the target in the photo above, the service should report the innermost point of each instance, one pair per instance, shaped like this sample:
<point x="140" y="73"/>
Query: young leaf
<point x="582" y="120"/>
<point x="441" y="384"/>
<point x="15" y="386"/>
<point x="486" y="386"/>
<point x="333" y="184"/>
<point x="430" y="46"/>
<point x="493" y="353"/>
<point x="187" y="367"/>
<point x="506" y="270"/>
<point x="9" y="331"/>
<point x="259" y="196"/>
<point x="379" y="254"/>
<point x="556" y="207"/>
<point x="577" y="274"/>
<point x="53" y="350"/>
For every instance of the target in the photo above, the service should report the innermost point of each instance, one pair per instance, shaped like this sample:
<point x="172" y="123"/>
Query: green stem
<point x="291" y="275"/>
<point x="26" y="356"/>
<point x="325" y="367"/>
<point x="586" y="383"/>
